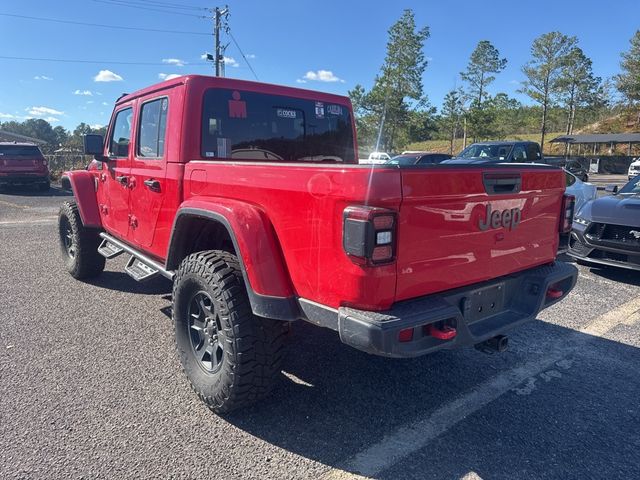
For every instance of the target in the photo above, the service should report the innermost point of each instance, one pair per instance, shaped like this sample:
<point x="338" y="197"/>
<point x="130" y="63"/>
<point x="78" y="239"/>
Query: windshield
<point x="492" y="152"/>
<point x="403" y="160"/>
<point x="255" y="126"/>
<point x="633" y="187"/>
<point x="20" y="151"/>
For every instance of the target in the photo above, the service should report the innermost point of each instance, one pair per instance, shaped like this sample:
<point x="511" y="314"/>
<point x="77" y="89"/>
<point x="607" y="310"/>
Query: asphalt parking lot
<point x="90" y="387"/>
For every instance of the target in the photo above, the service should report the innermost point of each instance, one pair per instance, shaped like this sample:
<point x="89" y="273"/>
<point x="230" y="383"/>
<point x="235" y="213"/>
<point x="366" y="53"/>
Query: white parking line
<point x="415" y="436"/>
<point x="38" y="221"/>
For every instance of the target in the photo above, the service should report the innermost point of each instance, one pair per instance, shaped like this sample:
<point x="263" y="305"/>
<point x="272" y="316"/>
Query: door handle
<point x="152" y="184"/>
<point x="122" y="179"/>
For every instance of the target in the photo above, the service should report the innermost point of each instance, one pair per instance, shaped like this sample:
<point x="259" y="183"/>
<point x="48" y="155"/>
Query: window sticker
<point x="224" y="147"/>
<point x="334" y="109"/>
<point x="164" y="104"/>
<point x="285" y="113"/>
<point x="319" y="110"/>
<point x="237" y="107"/>
<point x="209" y="154"/>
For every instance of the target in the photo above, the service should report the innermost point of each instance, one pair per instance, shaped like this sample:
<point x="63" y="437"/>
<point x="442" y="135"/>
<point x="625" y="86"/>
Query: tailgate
<point x="445" y="239"/>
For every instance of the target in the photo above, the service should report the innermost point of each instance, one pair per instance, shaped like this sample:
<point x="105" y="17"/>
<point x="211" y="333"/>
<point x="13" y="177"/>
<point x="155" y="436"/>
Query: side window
<point x="151" y="132"/>
<point x="570" y="179"/>
<point x="519" y="154"/>
<point x="121" y="134"/>
<point x="533" y="152"/>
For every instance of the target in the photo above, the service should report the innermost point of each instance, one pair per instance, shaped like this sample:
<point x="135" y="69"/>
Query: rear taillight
<point x="568" y="207"/>
<point x="369" y="234"/>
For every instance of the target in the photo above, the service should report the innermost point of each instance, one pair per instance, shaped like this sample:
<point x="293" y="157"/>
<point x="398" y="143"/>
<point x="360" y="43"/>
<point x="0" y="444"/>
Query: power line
<point x="65" y="60"/>
<point x="123" y="3"/>
<point x="55" y="20"/>
<point x="243" y="55"/>
<point x="168" y="4"/>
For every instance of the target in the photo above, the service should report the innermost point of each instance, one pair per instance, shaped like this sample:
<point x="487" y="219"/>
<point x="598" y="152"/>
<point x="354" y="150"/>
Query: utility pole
<point x="219" y="58"/>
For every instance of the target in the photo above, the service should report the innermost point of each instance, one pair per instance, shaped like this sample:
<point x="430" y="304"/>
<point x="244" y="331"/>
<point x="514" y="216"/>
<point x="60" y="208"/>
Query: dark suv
<point x="23" y="163"/>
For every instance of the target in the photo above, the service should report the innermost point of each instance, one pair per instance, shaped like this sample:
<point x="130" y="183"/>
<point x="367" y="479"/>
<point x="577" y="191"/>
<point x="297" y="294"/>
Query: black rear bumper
<point x="477" y="313"/>
<point x="24" y="179"/>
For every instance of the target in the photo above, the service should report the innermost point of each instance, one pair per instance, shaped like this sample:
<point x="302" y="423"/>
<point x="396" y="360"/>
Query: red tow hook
<point x="444" y="333"/>
<point x="554" y="293"/>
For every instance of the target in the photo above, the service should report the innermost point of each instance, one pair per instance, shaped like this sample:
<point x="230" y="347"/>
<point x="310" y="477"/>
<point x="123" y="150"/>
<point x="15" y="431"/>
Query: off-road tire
<point x="252" y="347"/>
<point x="78" y="244"/>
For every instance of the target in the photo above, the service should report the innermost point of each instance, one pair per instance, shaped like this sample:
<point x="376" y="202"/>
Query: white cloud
<point x="42" y="77"/>
<point x="107" y="76"/>
<point x="167" y="76"/>
<point x="250" y="56"/>
<point x="89" y="102"/>
<point x="230" y="61"/>
<point x="83" y="92"/>
<point x="204" y="56"/>
<point x="299" y="80"/>
<point x="51" y="119"/>
<point x="7" y="115"/>
<point x="106" y="104"/>
<point x="96" y="126"/>
<point x="43" y="111"/>
<point x="322" y="76"/>
<point x="173" y="61"/>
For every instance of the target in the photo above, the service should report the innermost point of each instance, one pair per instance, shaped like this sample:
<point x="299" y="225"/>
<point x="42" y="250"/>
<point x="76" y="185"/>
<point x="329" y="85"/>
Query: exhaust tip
<point x="499" y="343"/>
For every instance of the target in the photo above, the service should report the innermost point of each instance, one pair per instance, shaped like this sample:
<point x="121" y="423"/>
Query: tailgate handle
<point x="496" y="183"/>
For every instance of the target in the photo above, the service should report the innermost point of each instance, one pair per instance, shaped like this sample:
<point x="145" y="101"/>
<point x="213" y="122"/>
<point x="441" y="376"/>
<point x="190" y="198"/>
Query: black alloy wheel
<point x="66" y="237"/>
<point x="206" y="332"/>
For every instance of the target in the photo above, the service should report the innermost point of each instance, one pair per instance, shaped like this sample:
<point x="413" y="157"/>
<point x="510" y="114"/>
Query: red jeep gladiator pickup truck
<point x="250" y="199"/>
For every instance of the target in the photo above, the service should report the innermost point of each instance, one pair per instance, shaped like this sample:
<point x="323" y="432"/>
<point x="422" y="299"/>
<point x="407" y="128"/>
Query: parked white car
<point x="376" y="158"/>
<point x="634" y="168"/>
<point x="582" y="191"/>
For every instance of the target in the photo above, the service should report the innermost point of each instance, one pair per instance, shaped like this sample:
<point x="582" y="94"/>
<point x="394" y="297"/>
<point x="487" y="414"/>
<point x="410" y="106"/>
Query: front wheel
<point x="78" y="244"/>
<point x="231" y="357"/>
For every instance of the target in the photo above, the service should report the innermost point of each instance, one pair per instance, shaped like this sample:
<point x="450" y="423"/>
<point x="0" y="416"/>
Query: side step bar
<point x="139" y="267"/>
<point x="109" y="250"/>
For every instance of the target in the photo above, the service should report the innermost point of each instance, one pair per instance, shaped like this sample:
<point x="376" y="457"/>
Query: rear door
<point x="148" y="169"/>
<point x="447" y="233"/>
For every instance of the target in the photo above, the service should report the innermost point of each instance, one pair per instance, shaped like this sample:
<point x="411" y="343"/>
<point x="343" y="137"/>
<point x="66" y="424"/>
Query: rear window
<point x="20" y="151"/>
<point x="254" y="126"/>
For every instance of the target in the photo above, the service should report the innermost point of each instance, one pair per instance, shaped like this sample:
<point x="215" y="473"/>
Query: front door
<point x="148" y="170"/>
<point x="113" y="180"/>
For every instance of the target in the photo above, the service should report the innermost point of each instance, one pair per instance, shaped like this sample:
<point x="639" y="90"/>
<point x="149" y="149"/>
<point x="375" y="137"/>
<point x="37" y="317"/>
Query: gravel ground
<point x="90" y="387"/>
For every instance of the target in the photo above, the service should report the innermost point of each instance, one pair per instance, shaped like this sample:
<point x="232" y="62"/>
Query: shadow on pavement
<point x="122" y="282"/>
<point x="32" y="191"/>
<point x="631" y="277"/>
<point x="335" y="401"/>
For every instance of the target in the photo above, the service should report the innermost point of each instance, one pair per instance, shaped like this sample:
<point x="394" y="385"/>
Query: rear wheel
<point x="230" y="356"/>
<point x="78" y="244"/>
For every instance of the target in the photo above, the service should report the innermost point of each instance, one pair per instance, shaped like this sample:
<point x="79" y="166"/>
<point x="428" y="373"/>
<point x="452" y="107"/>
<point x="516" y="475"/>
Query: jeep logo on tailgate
<point x="508" y="218"/>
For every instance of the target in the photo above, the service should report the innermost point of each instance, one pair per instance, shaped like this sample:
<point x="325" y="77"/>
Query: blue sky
<point x="330" y="45"/>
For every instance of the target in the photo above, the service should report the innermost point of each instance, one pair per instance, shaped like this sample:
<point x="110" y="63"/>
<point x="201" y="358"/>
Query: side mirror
<point x="611" y="189"/>
<point x="93" y="145"/>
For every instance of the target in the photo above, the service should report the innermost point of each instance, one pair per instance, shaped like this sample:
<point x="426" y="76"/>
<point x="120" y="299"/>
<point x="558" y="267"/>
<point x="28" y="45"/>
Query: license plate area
<point x="484" y="302"/>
